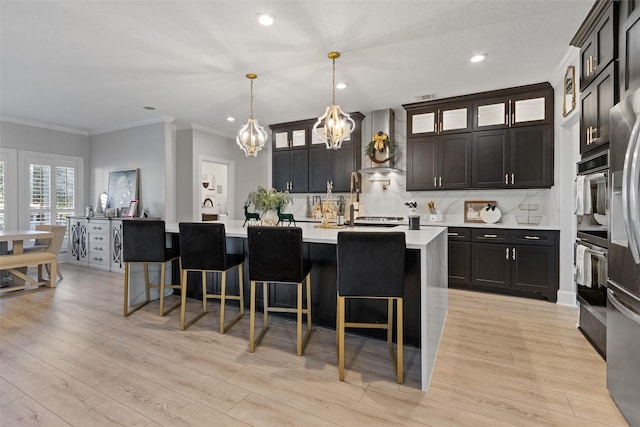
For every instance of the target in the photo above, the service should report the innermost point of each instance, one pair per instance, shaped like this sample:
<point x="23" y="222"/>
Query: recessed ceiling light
<point x="231" y="119"/>
<point x="265" y="19"/>
<point x="147" y="107"/>
<point x="341" y="86"/>
<point x="478" y="58"/>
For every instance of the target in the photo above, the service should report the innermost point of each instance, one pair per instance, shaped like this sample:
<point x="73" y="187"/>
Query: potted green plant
<point x="267" y="201"/>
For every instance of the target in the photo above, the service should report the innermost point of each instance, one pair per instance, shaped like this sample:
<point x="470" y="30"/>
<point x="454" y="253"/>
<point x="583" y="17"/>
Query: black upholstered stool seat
<point x="371" y="265"/>
<point x="144" y="242"/>
<point x="204" y="249"/>
<point x="275" y="257"/>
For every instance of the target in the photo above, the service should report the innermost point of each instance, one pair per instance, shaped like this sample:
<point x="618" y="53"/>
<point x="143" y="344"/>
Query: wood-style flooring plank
<point x="67" y="355"/>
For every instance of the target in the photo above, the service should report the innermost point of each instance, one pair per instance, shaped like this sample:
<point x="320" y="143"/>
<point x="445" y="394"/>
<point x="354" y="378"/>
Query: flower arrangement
<point x="412" y="206"/>
<point x="268" y="199"/>
<point x="380" y="143"/>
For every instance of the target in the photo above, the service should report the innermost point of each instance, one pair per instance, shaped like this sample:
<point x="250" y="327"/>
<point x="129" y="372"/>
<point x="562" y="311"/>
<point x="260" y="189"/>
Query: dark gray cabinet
<point x="302" y="164"/>
<point x="513" y="158"/>
<point x="439" y="162"/>
<point x="599" y="47"/>
<point x="597" y="99"/>
<point x="335" y="165"/>
<point x="521" y="261"/>
<point x="511" y="145"/>
<point x="514" y="262"/>
<point x="629" y="52"/>
<point x="459" y="256"/>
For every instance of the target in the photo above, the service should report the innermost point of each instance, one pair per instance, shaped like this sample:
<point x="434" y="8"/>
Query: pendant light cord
<point x="251" y="101"/>
<point x="333" y="86"/>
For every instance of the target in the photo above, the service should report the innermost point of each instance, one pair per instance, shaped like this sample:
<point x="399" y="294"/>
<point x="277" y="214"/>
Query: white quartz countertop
<point x="416" y="239"/>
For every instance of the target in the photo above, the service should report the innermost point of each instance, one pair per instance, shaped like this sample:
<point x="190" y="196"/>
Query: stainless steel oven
<point x="592" y="247"/>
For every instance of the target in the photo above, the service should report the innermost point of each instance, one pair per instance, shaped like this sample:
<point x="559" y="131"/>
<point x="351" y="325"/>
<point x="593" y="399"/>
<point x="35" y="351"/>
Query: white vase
<point x="269" y="217"/>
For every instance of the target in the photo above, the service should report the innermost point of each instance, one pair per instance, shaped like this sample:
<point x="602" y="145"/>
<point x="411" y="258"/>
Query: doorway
<point x="215" y="187"/>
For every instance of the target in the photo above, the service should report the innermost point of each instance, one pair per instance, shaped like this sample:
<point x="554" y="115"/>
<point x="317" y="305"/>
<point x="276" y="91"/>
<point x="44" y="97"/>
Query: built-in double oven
<point x="592" y="246"/>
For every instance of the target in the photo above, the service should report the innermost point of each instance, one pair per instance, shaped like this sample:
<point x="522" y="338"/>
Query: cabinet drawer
<point x="98" y="238"/>
<point x="490" y="235"/>
<point x="534" y="237"/>
<point x="98" y="227"/>
<point x="459" y="234"/>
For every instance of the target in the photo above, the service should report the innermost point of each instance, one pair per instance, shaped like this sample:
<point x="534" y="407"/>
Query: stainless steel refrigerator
<point x="623" y="293"/>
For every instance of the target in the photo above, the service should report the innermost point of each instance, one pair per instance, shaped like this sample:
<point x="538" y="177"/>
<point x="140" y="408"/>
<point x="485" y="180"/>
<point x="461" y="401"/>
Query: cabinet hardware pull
<point x="506" y="179"/>
<point x="513" y="118"/>
<point x="506" y="253"/>
<point x="440" y="127"/>
<point x="435" y="182"/>
<point x="452" y="234"/>
<point x="506" y="119"/>
<point x="594" y="64"/>
<point x="513" y="253"/>
<point x="492" y="236"/>
<point x="510" y="123"/>
<point x="291" y="186"/>
<point x="588" y="134"/>
<point x="589" y="65"/>
<point x="532" y="237"/>
<point x="440" y="182"/>
<point x="512" y="178"/>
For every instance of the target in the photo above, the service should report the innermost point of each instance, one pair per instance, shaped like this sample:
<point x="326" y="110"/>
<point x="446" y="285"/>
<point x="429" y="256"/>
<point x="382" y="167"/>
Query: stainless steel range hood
<point x="380" y="121"/>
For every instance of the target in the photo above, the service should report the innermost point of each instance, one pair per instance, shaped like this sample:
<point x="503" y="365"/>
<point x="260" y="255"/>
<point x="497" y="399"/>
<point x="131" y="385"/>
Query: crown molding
<point x="34" y="123"/>
<point x="127" y="126"/>
<point x="210" y="130"/>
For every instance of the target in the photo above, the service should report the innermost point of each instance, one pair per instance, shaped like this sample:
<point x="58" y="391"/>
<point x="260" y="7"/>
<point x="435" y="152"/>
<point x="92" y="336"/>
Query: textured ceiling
<point x="94" y="65"/>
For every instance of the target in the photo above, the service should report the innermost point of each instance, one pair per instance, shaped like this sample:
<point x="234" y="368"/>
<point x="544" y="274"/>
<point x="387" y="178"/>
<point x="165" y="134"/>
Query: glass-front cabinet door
<point x="290" y="137"/>
<point x="519" y="110"/>
<point x="451" y="118"/>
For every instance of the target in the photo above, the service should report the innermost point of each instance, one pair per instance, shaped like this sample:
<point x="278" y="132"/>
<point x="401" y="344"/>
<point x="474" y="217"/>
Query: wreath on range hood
<point x="379" y="144"/>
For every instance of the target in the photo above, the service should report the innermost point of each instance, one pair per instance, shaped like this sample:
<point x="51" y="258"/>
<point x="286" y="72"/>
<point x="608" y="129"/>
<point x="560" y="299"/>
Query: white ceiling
<point x="93" y="65"/>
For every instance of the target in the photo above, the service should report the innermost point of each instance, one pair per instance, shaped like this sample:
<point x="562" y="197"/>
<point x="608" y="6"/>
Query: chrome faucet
<point x="354" y="186"/>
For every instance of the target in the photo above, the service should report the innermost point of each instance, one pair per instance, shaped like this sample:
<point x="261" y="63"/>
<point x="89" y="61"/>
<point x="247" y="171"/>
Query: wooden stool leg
<point x="146" y="280"/>
<point x="390" y="324"/>
<point x="309" y="322"/>
<point x="265" y="299"/>
<point x="204" y="291"/>
<point x="340" y="304"/>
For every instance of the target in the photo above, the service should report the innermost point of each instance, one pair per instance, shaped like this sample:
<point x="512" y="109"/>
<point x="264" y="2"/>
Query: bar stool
<point x="371" y="265"/>
<point x="275" y="257"/>
<point x="204" y="249"/>
<point x="144" y="242"/>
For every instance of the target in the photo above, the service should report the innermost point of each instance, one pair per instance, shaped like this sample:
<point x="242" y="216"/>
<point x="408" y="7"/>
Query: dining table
<point x="17" y="238"/>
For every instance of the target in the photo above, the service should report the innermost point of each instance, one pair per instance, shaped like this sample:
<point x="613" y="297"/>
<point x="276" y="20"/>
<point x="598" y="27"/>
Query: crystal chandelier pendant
<point x="334" y="126"/>
<point x="251" y="137"/>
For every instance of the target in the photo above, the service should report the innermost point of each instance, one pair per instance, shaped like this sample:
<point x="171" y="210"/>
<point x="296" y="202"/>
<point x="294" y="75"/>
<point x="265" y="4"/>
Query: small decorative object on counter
<point x="434" y="213"/>
<point x="412" y="207"/>
<point x="490" y="214"/>
<point x="266" y="201"/>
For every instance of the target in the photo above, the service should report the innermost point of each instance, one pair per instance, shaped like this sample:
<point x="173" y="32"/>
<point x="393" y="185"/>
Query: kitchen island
<point x="425" y="280"/>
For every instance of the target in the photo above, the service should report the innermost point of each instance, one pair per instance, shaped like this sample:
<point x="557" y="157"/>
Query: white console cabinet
<point x="96" y="243"/>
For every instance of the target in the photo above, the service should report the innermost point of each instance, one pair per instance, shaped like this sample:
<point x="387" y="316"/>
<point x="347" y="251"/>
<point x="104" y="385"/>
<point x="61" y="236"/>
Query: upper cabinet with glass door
<point x="516" y="109"/>
<point x="290" y="136"/>
<point x="440" y="119"/>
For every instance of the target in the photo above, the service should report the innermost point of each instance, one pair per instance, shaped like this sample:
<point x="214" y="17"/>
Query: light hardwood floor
<point x="69" y="357"/>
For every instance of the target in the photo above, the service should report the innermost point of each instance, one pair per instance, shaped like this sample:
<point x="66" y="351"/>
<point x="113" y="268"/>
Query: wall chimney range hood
<point x="381" y="121"/>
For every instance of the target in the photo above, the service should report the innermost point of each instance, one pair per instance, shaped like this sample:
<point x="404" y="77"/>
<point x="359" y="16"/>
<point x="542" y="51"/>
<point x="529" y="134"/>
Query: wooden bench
<point x="12" y="263"/>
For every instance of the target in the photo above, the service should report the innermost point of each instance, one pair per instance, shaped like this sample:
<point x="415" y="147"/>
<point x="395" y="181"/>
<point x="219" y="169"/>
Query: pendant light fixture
<point x="334" y="125"/>
<point x="251" y="137"/>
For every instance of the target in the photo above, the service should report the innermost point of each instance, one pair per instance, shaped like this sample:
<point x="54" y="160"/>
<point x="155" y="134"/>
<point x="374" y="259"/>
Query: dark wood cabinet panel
<point x="454" y="161"/>
<point x="599" y="48"/>
<point x="490" y="265"/>
<point x="629" y="47"/>
<point x="531" y="157"/>
<point x="520" y="262"/>
<point x="421" y="163"/>
<point x="520" y="157"/>
<point x="290" y="171"/>
<point x="459" y="263"/>
<point x="597" y="100"/>
<point x="511" y="145"/>
<point x="533" y="269"/>
<point x="301" y="165"/>
<point x="490" y="159"/>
